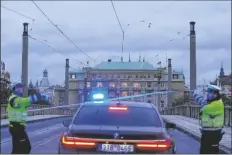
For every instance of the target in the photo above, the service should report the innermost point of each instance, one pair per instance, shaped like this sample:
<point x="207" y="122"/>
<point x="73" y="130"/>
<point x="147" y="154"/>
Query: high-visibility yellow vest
<point x="17" y="112"/>
<point x="212" y="115"/>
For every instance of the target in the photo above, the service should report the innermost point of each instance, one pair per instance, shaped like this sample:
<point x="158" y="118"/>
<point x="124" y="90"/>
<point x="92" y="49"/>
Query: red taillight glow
<point x="118" y="108"/>
<point x="72" y="141"/>
<point x="155" y="145"/>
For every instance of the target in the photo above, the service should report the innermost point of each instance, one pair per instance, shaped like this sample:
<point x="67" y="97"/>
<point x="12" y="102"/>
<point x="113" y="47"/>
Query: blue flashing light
<point x="98" y="101"/>
<point x="98" y="96"/>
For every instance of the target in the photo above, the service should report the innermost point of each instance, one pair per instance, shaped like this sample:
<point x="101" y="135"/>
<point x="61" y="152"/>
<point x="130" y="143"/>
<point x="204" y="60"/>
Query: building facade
<point x="224" y="81"/>
<point x="120" y="79"/>
<point x="5" y="77"/>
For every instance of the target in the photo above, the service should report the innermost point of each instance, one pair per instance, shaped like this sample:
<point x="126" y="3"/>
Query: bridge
<point x="45" y="127"/>
<point x="45" y="122"/>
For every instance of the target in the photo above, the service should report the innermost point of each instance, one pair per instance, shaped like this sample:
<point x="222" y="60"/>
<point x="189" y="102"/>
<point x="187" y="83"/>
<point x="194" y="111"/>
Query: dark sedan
<point x="117" y="127"/>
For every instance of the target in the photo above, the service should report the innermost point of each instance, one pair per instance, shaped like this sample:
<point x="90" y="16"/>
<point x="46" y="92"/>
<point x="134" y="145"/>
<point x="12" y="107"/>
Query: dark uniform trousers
<point x="20" y="141"/>
<point x="210" y="142"/>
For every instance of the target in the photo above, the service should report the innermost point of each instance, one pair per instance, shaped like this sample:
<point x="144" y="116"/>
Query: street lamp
<point x="80" y="94"/>
<point x="159" y="87"/>
<point x="85" y="85"/>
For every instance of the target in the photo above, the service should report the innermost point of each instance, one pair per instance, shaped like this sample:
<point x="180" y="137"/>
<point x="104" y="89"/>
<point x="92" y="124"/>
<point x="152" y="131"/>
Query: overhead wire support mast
<point x="61" y="31"/>
<point x="120" y="27"/>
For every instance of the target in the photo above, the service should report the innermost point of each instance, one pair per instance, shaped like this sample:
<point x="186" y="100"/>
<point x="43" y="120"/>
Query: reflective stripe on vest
<point x="17" y="116"/>
<point x="12" y="96"/>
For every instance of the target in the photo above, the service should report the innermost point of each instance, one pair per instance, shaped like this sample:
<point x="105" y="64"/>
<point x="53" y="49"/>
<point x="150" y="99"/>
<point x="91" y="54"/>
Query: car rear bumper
<point x="64" y="150"/>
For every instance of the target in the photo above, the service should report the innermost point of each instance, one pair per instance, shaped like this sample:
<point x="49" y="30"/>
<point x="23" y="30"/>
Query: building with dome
<point x="43" y="87"/>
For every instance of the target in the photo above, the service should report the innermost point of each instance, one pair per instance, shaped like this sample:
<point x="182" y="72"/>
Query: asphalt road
<point x="45" y="135"/>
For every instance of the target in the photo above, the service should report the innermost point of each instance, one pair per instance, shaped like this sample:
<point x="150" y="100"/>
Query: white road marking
<point x="36" y="132"/>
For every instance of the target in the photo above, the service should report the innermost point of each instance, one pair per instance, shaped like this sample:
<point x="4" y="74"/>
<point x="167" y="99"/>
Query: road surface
<point x="45" y="135"/>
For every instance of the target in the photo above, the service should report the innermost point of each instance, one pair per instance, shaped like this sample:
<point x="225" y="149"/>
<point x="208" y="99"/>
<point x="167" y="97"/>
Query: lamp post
<point x="85" y="86"/>
<point x="159" y="87"/>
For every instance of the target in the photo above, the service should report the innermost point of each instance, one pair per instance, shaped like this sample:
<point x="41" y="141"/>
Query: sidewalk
<point x="5" y="122"/>
<point x="191" y="126"/>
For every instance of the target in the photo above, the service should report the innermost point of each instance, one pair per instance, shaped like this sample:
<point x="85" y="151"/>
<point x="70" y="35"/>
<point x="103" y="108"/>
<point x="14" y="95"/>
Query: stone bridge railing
<point x="45" y="110"/>
<point x="194" y="110"/>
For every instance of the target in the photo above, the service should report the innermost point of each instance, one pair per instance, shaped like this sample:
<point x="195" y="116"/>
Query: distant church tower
<point x="222" y="71"/>
<point x="44" y="82"/>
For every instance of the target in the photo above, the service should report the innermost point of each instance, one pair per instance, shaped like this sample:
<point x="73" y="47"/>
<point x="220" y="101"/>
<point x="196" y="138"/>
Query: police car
<point x="117" y="127"/>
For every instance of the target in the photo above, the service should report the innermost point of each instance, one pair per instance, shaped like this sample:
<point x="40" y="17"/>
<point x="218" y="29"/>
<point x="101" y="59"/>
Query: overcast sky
<point x="94" y="28"/>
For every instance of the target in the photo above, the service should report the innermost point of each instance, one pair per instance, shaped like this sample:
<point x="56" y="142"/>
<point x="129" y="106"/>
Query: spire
<point x="129" y="58"/>
<point x="31" y="85"/>
<point x="139" y="57"/>
<point x="121" y="59"/>
<point x="37" y="83"/>
<point x="222" y="70"/>
<point x="45" y="73"/>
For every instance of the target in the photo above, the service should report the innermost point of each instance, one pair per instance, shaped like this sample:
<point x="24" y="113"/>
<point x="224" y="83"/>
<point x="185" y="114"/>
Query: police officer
<point x="211" y="119"/>
<point x="17" y="114"/>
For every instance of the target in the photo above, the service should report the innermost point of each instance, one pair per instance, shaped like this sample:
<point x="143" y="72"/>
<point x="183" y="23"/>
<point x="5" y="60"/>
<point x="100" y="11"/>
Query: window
<point x="136" y="93"/>
<point x="149" y="84"/>
<point x="148" y="101"/>
<point x="136" y="76"/>
<point x="149" y="76"/>
<point x="124" y="93"/>
<point x="124" y="84"/>
<point x="112" y="85"/>
<point x="112" y="94"/>
<point x="162" y="85"/>
<point x="73" y="76"/>
<point x="88" y="84"/>
<point x="99" y="84"/>
<point x="134" y="116"/>
<point x="137" y="85"/>
<point x="175" y="76"/>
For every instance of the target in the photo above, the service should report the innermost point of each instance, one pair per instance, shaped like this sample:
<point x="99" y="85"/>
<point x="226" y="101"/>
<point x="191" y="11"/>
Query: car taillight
<point x="77" y="142"/>
<point x="118" y="108"/>
<point x="154" y="145"/>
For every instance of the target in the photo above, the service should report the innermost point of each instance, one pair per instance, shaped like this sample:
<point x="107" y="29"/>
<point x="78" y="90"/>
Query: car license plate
<point x="116" y="148"/>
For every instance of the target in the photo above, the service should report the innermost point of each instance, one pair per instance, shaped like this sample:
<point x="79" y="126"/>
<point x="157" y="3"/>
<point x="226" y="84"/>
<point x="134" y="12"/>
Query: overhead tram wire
<point x="32" y="19"/>
<point x="18" y="13"/>
<point x="117" y="16"/>
<point x="55" y="50"/>
<point x="120" y="25"/>
<point x="55" y="25"/>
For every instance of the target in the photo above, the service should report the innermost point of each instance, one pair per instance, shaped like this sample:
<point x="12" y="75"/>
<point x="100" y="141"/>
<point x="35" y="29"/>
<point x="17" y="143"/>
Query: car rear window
<point x="101" y="115"/>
